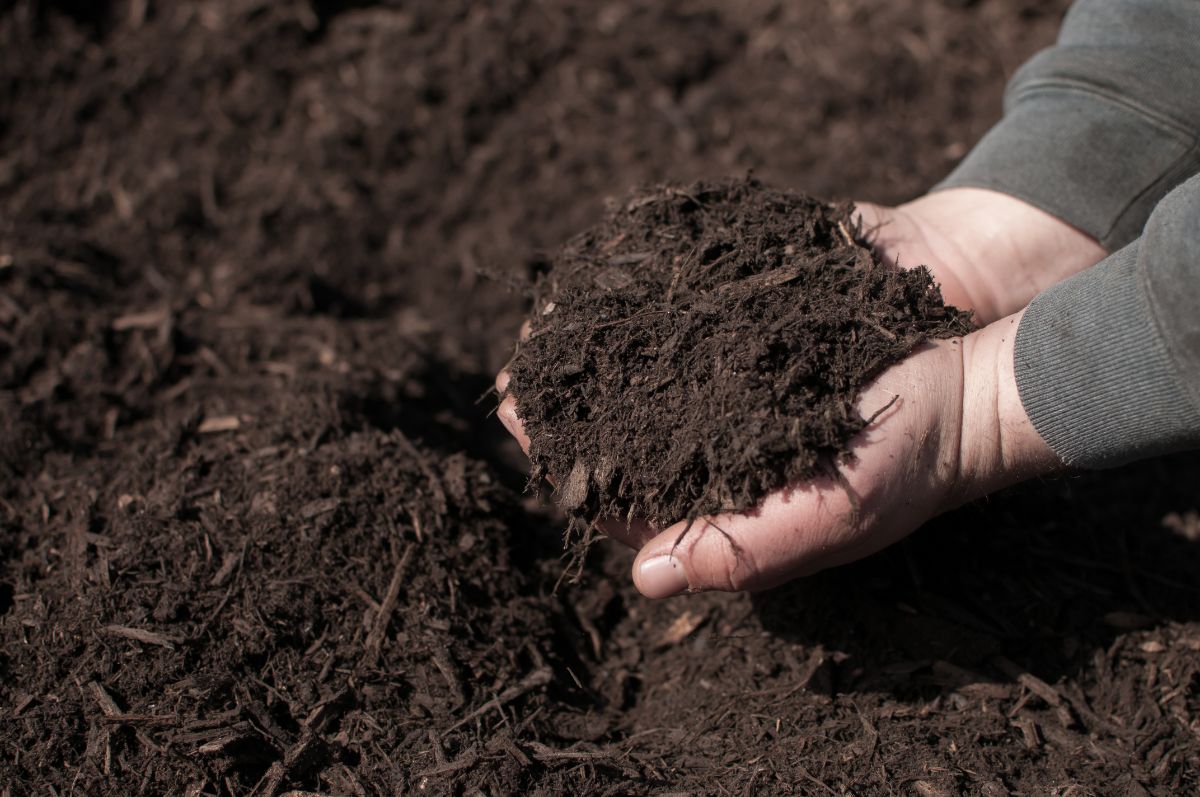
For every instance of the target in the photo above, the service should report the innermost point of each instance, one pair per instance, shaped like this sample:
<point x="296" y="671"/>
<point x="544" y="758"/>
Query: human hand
<point x="956" y="431"/>
<point x="990" y="252"/>
<point x="934" y="449"/>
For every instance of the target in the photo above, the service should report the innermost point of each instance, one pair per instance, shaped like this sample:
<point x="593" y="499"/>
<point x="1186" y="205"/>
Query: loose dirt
<point x="705" y="345"/>
<point x="257" y="536"/>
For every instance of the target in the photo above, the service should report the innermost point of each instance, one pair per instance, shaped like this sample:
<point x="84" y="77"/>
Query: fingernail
<point x="661" y="577"/>
<point x="502" y="380"/>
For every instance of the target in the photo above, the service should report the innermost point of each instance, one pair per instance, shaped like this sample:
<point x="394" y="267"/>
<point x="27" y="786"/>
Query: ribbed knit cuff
<point x="1094" y="374"/>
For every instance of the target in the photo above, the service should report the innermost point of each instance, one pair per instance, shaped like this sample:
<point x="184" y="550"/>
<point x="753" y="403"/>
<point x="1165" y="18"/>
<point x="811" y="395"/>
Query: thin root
<point x="875" y="416"/>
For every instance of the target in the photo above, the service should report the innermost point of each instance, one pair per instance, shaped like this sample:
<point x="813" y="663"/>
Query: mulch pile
<point x="257" y="534"/>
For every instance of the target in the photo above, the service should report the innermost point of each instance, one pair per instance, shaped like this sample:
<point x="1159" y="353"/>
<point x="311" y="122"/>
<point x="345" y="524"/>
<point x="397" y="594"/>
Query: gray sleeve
<point x="1108" y="361"/>
<point x="1101" y="126"/>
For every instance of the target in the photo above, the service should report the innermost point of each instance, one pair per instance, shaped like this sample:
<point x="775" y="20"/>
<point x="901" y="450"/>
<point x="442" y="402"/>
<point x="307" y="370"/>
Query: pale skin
<point x="957" y="430"/>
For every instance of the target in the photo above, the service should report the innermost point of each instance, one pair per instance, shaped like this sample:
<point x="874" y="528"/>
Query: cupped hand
<point x="956" y="430"/>
<point x="990" y="252"/>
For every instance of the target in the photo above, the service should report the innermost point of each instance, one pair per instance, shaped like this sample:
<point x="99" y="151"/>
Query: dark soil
<point x="705" y="345"/>
<point x="256" y="534"/>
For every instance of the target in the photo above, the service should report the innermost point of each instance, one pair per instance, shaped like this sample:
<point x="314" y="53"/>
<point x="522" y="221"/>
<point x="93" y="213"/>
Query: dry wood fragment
<point x="683" y="627"/>
<point x="221" y="742"/>
<point x="104" y="699"/>
<point x="149" y="319"/>
<point x="319" y="507"/>
<point x="227" y="566"/>
<point x="22" y="703"/>
<point x="575" y="491"/>
<point x="1029" y="732"/>
<point x="535" y="679"/>
<point x="219" y="423"/>
<point x="1040" y="688"/>
<point x="142" y="635"/>
<point x="384" y="615"/>
<point x="464" y="761"/>
<point x="924" y="788"/>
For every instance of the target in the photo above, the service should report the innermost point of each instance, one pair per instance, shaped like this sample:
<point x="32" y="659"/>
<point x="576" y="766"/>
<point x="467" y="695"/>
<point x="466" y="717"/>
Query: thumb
<point x="783" y="538"/>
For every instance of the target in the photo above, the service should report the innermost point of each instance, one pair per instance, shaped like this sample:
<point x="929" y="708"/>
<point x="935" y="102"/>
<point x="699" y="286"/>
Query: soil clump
<point x="706" y="344"/>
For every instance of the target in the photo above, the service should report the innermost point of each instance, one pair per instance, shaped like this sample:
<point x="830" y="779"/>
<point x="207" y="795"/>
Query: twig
<point x="213" y="614"/>
<point x="141" y="635"/>
<point x="539" y="677"/>
<point x="384" y="615"/>
<point x="465" y="761"/>
<point x="435" y="484"/>
<point x="107" y="704"/>
<point x="875" y="415"/>
<point x="882" y="330"/>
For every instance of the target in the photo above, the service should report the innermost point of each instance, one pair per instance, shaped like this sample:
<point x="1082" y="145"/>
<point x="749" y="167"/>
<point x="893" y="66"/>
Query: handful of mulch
<point x="705" y="345"/>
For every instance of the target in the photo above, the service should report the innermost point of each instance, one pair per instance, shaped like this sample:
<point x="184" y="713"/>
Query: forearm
<point x="1100" y="127"/>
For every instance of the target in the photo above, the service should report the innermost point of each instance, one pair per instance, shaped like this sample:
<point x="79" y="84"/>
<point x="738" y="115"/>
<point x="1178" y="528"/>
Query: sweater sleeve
<point x="1100" y="127"/>
<point x="1108" y="361"/>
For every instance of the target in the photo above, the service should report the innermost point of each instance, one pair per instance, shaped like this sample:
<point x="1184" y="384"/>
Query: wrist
<point x="993" y="252"/>
<point x="999" y="444"/>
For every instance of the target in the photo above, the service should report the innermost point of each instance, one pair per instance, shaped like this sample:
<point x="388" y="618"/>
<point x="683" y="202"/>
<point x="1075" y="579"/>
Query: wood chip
<point x="1040" y="688"/>
<point x="219" y="423"/>
<point x="23" y="702"/>
<point x="317" y="508"/>
<point x="104" y="699"/>
<point x="1029" y="732"/>
<point x="575" y="491"/>
<point x="149" y="319"/>
<point x="227" y="566"/>
<point x="924" y="788"/>
<point x="220" y="743"/>
<point x="681" y="628"/>
<point x="384" y="615"/>
<point x="535" y="679"/>
<point x="611" y="279"/>
<point x="142" y="635"/>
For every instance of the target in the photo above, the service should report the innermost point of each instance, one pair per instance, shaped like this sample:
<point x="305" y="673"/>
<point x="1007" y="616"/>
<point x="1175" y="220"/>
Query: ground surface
<point x="256" y="534"/>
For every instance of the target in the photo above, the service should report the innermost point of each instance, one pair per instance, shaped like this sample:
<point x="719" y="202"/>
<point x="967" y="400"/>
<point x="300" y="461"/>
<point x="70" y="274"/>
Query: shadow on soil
<point x="1040" y="579"/>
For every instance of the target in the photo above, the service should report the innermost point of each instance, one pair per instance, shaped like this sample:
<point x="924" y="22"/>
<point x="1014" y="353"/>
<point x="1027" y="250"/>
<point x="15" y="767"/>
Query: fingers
<point x="787" y="537"/>
<point x="507" y="413"/>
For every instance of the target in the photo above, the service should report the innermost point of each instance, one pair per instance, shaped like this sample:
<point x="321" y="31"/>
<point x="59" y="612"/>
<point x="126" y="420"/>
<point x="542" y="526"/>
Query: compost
<point x="705" y="345"/>
<point x="259" y="533"/>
